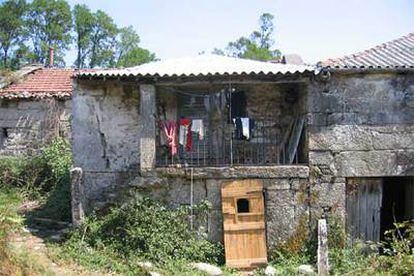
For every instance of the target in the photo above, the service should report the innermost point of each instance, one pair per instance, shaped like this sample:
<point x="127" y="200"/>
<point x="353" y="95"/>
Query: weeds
<point x="43" y="177"/>
<point x="143" y="229"/>
<point x="13" y="261"/>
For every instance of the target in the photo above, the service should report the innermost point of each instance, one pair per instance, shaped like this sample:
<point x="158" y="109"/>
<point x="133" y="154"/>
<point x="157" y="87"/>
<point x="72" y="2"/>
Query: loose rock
<point x="207" y="268"/>
<point x="146" y="265"/>
<point x="306" y="270"/>
<point x="270" y="271"/>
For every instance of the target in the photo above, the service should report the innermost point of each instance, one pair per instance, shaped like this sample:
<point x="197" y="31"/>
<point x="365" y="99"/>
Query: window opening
<point x="243" y="205"/>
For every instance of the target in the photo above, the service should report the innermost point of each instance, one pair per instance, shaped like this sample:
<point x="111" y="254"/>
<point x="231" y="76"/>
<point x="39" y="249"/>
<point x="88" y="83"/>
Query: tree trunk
<point x="5" y="57"/>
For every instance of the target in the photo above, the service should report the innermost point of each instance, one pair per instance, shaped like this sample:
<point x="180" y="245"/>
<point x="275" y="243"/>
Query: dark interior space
<point x="397" y="201"/>
<point x="4" y="134"/>
<point x="373" y="204"/>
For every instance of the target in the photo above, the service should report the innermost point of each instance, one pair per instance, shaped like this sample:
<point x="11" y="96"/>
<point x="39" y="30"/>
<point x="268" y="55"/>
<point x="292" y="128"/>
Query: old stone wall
<point x="360" y="125"/>
<point x="106" y="134"/>
<point x="285" y="194"/>
<point x="26" y="123"/>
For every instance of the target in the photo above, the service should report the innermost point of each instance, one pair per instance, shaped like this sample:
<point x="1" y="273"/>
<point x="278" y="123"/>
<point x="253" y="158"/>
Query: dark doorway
<point x="397" y="201"/>
<point x="373" y="205"/>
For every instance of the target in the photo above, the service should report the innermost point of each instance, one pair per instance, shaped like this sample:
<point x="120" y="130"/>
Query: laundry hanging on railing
<point x="169" y="129"/>
<point x="185" y="137"/>
<point x="197" y="126"/>
<point x="243" y="128"/>
<point x="238" y="105"/>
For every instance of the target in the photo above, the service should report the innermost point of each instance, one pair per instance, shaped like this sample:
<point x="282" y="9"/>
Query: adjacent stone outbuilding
<point x="361" y="137"/>
<point x="35" y="106"/>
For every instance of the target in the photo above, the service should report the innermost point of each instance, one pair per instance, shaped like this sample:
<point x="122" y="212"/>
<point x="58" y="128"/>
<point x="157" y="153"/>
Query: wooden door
<point x="243" y="223"/>
<point x="363" y="208"/>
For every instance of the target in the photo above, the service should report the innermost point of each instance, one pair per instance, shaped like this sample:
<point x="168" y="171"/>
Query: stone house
<point x="35" y="105"/>
<point x="272" y="146"/>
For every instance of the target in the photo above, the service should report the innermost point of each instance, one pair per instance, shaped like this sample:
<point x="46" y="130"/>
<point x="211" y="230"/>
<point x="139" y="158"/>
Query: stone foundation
<point x="285" y="193"/>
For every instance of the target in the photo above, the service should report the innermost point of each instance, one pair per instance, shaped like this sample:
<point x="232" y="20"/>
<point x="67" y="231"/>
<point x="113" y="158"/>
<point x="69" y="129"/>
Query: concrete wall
<point x="106" y="132"/>
<point x="26" y="123"/>
<point x="359" y="126"/>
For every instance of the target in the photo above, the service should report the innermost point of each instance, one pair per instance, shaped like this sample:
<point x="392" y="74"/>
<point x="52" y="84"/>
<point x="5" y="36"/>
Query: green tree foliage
<point x="128" y="52"/>
<point x="84" y="23"/>
<point x="103" y="40"/>
<point x="12" y="27"/>
<point x="28" y="30"/>
<point x="50" y="25"/>
<point x="257" y="46"/>
<point x="115" y="47"/>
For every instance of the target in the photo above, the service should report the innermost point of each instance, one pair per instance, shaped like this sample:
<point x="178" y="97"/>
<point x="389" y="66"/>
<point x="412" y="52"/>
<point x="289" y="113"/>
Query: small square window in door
<point x="243" y="205"/>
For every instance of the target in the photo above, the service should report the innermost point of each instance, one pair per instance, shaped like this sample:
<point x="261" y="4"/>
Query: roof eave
<point x="213" y="78"/>
<point x="368" y="70"/>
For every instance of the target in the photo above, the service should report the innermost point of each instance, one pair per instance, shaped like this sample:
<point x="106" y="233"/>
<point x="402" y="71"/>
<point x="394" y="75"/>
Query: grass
<point x="15" y="261"/>
<point x="142" y="230"/>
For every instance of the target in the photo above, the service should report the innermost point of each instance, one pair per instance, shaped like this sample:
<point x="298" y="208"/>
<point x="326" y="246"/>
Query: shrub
<point x="149" y="230"/>
<point x="44" y="176"/>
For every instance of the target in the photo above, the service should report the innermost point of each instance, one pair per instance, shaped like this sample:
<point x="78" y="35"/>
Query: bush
<point x="145" y="229"/>
<point x="44" y="176"/>
<point x="397" y="256"/>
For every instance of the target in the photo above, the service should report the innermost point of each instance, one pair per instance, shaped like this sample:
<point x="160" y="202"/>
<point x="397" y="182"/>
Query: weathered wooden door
<point x="244" y="223"/>
<point x="363" y="208"/>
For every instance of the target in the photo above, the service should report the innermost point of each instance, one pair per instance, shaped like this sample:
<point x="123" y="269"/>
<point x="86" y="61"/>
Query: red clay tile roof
<point x="398" y="53"/>
<point x="41" y="83"/>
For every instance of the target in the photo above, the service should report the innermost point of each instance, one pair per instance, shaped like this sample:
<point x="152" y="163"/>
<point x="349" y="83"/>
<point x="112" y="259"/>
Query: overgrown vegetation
<point x="395" y="256"/>
<point x="14" y="261"/>
<point x="43" y="177"/>
<point x="143" y="229"/>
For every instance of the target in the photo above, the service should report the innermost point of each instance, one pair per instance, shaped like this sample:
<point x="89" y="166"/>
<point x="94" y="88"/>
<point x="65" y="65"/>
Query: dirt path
<point x="30" y="245"/>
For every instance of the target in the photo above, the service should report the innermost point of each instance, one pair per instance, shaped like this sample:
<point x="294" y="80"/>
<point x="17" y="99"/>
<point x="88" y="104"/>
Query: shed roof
<point x="41" y="83"/>
<point x="202" y="65"/>
<point x="395" y="54"/>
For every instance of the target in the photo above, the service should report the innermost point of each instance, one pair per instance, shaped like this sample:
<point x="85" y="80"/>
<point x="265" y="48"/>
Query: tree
<point x="128" y="51"/>
<point x="257" y="46"/>
<point x="103" y="40"/>
<point x="84" y="22"/>
<point x="50" y="24"/>
<point x="12" y="26"/>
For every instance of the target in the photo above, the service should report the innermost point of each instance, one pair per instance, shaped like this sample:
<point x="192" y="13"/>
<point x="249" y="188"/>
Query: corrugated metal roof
<point x="202" y="65"/>
<point x="398" y="53"/>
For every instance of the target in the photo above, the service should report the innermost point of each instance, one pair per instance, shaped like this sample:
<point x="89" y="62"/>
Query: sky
<point x="316" y="30"/>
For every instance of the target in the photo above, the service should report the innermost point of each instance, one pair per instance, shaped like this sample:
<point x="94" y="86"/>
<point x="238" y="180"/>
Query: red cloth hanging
<point x="170" y="131"/>
<point x="189" y="141"/>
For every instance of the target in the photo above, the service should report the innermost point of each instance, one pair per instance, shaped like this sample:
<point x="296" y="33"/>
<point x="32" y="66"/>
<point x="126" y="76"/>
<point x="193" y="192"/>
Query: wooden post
<point x="323" y="262"/>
